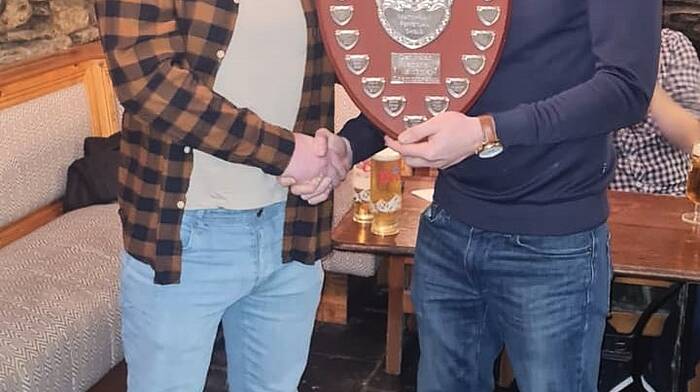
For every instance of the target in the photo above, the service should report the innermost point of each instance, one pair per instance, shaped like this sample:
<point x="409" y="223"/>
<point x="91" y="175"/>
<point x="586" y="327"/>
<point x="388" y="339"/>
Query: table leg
<point x="395" y="315"/>
<point x="677" y="363"/>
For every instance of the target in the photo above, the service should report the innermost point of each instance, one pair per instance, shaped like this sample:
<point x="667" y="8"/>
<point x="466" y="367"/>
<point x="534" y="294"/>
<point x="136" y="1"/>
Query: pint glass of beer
<point x="693" y="187"/>
<point x="361" y="203"/>
<point x="386" y="192"/>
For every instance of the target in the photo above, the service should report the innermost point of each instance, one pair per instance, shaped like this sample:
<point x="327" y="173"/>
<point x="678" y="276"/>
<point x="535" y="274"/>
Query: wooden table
<point x="649" y="241"/>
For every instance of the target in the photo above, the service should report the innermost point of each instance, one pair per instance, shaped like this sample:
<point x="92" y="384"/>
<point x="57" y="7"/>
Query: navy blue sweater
<point x="572" y="71"/>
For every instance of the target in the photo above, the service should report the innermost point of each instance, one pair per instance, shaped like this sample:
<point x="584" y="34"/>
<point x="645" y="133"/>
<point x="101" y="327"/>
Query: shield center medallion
<point x="414" y="23"/>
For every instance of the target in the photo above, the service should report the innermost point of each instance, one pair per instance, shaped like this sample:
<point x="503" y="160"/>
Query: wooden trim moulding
<point x="29" y="223"/>
<point x="83" y="64"/>
<point x="101" y="99"/>
<point x="20" y="80"/>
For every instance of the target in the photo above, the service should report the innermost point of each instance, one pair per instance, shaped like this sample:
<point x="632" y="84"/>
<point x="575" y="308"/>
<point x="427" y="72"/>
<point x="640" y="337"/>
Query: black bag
<point x="93" y="178"/>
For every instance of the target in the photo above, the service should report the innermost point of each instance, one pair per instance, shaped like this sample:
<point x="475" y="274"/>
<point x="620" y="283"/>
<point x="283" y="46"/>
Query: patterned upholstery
<point x="59" y="313"/>
<point x="40" y="139"/>
<point x="352" y="263"/>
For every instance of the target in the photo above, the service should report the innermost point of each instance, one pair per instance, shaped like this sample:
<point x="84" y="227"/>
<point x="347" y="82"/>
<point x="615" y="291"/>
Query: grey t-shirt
<point x="263" y="70"/>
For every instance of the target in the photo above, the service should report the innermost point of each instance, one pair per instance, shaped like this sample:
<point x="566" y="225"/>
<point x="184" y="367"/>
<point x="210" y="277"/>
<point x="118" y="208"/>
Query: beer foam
<point x="696" y="149"/>
<point x="387" y="155"/>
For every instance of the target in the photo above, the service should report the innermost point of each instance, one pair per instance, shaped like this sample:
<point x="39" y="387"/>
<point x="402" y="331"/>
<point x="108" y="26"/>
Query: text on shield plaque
<point x="415" y="68"/>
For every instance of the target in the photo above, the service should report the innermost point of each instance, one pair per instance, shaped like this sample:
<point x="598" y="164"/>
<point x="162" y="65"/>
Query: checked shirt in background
<point x="646" y="161"/>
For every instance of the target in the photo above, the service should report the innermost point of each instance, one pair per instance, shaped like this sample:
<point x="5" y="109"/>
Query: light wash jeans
<point x="232" y="270"/>
<point x="544" y="297"/>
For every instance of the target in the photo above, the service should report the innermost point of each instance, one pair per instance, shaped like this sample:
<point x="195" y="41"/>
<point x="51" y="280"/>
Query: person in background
<point x="212" y="91"/>
<point x="652" y="156"/>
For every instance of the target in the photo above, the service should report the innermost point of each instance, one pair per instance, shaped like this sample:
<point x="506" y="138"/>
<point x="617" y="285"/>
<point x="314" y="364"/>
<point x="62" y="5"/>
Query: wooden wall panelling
<point x="101" y="99"/>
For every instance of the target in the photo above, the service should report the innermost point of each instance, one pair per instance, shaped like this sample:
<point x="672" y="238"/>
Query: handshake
<point x="318" y="165"/>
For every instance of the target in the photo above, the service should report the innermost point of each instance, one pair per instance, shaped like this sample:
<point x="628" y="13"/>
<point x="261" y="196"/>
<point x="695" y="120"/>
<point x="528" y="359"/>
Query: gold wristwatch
<point x="490" y="145"/>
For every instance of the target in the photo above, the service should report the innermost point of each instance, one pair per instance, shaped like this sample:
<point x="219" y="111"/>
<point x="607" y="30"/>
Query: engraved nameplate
<point x="415" y="68"/>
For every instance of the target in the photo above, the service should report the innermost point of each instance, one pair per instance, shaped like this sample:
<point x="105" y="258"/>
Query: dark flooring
<point x="346" y="358"/>
<point x="350" y="358"/>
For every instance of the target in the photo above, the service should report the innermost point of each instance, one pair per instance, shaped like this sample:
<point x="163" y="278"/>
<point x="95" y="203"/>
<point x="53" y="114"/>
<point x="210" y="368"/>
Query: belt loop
<point x="259" y="213"/>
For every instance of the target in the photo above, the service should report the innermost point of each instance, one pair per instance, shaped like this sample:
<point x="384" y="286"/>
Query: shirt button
<point x="187" y="149"/>
<point x="181" y="204"/>
<point x="220" y="54"/>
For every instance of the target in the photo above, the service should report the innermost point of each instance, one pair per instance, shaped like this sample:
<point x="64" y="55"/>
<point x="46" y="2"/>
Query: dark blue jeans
<point x="544" y="297"/>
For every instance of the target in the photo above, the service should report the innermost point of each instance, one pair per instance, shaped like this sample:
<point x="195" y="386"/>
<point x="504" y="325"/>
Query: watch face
<point x="491" y="150"/>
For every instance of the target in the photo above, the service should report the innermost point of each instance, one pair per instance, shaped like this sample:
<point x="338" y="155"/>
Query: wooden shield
<point x="403" y="61"/>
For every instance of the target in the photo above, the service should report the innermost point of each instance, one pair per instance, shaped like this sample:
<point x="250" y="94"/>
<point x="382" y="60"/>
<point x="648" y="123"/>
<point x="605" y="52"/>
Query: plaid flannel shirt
<point x="163" y="56"/>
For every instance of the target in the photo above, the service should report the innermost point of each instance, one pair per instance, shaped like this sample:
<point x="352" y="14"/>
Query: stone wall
<point x="34" y="28"/>
<point x="31" y="28"/>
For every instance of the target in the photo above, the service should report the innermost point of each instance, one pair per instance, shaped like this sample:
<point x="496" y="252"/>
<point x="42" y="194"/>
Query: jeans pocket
<point x="435" y="214"/>
<point x="187" y="229"/>
<point x="577" y="244"/>
<point x="136" y="280"/>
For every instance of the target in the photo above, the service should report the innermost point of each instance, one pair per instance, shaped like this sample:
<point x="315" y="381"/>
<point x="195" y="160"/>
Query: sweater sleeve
<point x="625" y="37"/>
<point x="365" y="139"/>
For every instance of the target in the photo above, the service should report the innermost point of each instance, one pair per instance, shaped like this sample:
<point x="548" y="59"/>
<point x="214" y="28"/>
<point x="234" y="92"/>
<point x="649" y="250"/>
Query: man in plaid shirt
<point x="652" y="156"/>
<point x="212" y="91"/>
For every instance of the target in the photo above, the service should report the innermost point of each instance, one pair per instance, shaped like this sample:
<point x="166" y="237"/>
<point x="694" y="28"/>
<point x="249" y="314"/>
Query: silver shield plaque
<point x="341" y="14"/>
<point x="347" y="39"/>
<point x="357" y="63"/>
<point x="483" y="39"/>
<point x="473" y="64"/>
<point x="488" y="14"/>
<point x="415" y="68"/>
<point x="437" y="105"/>
<point x="414" y="23"/>
<point x="373" y="87"/>
<point x="412" y="121"/>
<point x="457" y="87"/>
<point x="394" y="106"/>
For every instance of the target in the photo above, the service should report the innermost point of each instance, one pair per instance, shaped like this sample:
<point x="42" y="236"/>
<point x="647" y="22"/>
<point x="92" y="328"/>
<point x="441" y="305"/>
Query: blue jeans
<point x="544" y="297"/>
<point x="232" y="270"/>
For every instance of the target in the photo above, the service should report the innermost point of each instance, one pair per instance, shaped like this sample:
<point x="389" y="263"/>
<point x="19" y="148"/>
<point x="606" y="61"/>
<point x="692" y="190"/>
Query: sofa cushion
<point x="40" y="139"/>
<point x="59" y="313"/>
<point x="352" y="263"/>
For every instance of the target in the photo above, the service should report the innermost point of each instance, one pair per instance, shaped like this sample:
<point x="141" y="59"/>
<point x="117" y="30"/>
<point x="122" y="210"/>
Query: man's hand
<point x="443" y="141"/>
<point x="307" y="162"/>
<point x="336" y="150"/>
